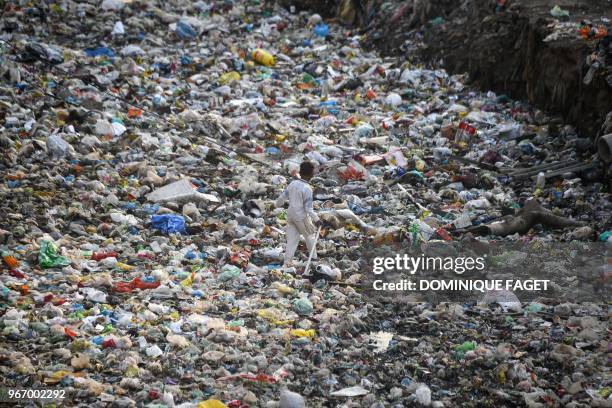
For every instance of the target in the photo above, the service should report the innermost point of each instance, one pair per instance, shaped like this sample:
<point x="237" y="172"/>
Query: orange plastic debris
<point x="134" y="113"/>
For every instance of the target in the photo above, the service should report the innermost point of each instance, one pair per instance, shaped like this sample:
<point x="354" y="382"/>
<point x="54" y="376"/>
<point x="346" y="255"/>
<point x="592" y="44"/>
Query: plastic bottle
<point x="328" y="271"/>
<point x="263" y="57"/>
<point x="540" y="180"/>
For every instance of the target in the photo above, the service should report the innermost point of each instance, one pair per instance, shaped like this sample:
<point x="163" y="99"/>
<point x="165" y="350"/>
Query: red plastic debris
<point x="443" y="234"/>
<point x="109" y="343"/>
<point x="136" y="283"/>
<point x="261" y="377"/>
<point x="69" y="333"/>
<point x="351" y="174"/>
<point x="98" y="256"/>
<point x="241" y="257"/>
<point x="17" y="274"/>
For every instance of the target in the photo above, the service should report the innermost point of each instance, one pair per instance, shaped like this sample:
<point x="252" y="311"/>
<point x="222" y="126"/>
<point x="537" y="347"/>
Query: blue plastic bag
<point x="168" y="223"/>
<point x="185" y="31"/>
<point x="330" y="106"/>
<point x="273" y="150"/>
<point x="99" y="51"/>
<point x="321" y="30"/>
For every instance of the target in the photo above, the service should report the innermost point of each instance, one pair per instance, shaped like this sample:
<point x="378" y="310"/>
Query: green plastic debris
<point x="558" y="12"/>
<point x="533" y="307"/>
<point x="605" y="236"/>
<point x="308" y="79"/>
<point x="605" y="392"/>
<point x="461" y="349"/>
<point x="228" y="273"/>
<point x="236" y="323"/>
<point x="302" y="306"/>
<point x="48" y="257"/>
<point x="466" y="346"/>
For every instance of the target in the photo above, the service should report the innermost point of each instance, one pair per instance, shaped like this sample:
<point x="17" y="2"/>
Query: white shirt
<point x="299" y="194"/>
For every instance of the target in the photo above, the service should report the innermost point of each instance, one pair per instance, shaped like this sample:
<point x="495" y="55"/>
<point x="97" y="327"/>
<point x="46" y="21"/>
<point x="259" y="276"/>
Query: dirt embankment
<point x="502" y="49"/>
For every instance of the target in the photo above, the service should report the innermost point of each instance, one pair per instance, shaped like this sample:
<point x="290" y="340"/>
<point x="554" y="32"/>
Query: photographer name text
<point x="479" y="285"/>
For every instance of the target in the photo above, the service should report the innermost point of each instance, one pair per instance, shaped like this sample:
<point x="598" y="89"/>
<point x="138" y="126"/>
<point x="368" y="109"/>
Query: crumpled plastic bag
<point x="302" y="306"/>
<point x="48" y="257"/>
<point x="168" y="223"/>
<point x="57" y="147"/>
<point x="558" y="12"/>
<point x="229" y="272"/>
<point x="185" y="31"/>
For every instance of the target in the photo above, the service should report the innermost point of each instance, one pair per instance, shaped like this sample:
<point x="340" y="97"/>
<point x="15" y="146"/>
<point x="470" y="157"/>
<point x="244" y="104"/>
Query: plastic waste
<point x="150" y="149"/>
<point x="302" y="306"/>
<point x="211" y="403"/>
<point x="558" y="12"/>
<point x="423" y="395"/>
<point x="540" y="180"/>
<point x="228" y="273"/>
<point x="229" y="77"/>
<point x="331" y="273"/>
<point x="263" y="57"/>
<point x="168" y="223"/>
<point x="179" y="192"/>
<point x="185" y="31"/>
<point x="289" y="399"/>
<point x="321" y="30"/>
<point x="393" y="99"/>
<point x="9" y="260"/>
<point x="355" y="391"/>
<point x="100" y="51"/>
<point x="118" y="28"/>
<point x="57" y="147"/>
<point x="48" y="257"/>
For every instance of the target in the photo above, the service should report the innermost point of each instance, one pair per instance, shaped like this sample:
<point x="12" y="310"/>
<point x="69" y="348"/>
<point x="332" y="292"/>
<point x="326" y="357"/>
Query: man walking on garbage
<point x="300" y="216"/>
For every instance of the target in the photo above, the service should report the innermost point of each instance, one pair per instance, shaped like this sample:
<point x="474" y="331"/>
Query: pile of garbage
<point x="556" y="55"/>
<point x="143" y="146"/>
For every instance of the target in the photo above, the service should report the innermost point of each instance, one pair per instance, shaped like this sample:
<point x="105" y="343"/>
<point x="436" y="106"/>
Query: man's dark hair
<point x="306" y="169"/>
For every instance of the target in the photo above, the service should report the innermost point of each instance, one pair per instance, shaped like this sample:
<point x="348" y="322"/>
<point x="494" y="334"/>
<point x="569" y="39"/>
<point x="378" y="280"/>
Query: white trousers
<point x="295" y="229"/>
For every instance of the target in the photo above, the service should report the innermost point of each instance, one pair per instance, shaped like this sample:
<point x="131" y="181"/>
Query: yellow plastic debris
<point x="273" y="316"/>
<point x="229" y="77"/>
<point x="57" y="376"/>
<point x="263" y="57"/>
<point x="188" y="281"/>
<point x="211" y="403"/>
<point x="310" y="333"/>
<point x="124" y="267"/>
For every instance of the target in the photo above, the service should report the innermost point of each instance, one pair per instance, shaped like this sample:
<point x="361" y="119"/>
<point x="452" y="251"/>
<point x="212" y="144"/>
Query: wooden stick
<point x="312" y="251"/>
